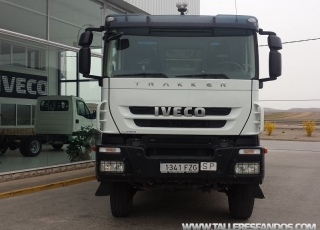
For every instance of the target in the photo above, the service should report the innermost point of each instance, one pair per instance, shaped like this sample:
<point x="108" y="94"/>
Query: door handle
<point x="77" y="121"/>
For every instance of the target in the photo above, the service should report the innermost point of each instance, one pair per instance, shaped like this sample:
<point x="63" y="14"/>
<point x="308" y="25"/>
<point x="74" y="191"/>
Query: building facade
<point x="38" y="57"/>
<point x="157" y="7"/>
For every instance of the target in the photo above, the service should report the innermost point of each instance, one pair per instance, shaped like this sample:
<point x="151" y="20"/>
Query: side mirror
<point x="274" y="42"/>
<point x="85" y="39"/>
<point x="85" y="60"/>
<point x="275" y="63"/>
<point x="122" y="44"/>
<point x="85" y="52"/>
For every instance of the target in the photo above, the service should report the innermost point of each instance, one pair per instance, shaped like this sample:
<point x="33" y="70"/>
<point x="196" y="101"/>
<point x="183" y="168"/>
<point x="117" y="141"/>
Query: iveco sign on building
<point x="20" y="85"/>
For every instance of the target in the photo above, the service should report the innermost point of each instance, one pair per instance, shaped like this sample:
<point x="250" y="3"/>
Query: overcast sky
<point x="292" y="20"/>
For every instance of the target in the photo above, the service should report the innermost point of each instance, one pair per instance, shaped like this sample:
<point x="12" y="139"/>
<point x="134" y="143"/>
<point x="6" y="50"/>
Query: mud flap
<point x="104" y="189"/>
<point x="256" y="191"/>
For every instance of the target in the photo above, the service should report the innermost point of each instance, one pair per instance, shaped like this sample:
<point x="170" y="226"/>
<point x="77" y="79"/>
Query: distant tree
<point x="269" y="127"/>
<point x="309" y="126"/>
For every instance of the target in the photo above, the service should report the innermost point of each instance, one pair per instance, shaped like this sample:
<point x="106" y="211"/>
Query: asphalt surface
<point x="291" y="188"/>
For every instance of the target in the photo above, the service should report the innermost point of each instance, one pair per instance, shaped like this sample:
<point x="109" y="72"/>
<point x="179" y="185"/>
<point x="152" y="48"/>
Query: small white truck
<point x="56" y="119"/>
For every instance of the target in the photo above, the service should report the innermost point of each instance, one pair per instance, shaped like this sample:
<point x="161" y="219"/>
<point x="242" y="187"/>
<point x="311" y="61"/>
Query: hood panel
<point x="233" y="95"/>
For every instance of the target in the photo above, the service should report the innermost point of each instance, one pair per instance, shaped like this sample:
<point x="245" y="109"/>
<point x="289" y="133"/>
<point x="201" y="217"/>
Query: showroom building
<point x="38" y="57"/>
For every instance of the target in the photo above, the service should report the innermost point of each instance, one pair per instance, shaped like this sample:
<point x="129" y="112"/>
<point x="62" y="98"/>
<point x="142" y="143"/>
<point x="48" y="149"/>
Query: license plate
<point x="208" y="166"/>
<point x="179" y="168"/>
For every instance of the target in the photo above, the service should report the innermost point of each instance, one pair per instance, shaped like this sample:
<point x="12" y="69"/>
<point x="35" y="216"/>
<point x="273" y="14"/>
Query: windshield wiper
<point x="160" y="75"/>
<point x="206" y="75"/>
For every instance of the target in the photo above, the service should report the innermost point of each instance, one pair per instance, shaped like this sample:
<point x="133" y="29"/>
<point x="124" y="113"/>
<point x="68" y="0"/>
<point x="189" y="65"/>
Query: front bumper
<point x="141" y="167"/>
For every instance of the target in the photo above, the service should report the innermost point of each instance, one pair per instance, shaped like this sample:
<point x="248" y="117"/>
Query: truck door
<point x="83" y="116"/>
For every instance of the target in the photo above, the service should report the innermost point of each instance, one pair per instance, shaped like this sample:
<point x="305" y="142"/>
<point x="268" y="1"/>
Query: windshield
<point x="221" y="54"/>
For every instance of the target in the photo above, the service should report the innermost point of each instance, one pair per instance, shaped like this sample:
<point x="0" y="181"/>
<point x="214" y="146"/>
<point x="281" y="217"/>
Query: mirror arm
<point x="261" y="32"/>
<point x="109" y="36"/>
<point x="267" y="79"/>
<point x="100" y="79"/>
<point x="98" y="29"/>
<point x="91" y="76"/>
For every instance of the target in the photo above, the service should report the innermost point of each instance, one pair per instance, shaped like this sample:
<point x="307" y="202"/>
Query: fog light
<point x="249" y="151"/>
<point x="112" y="166"/>
<point x="109" y="150"/>
<point x="247" y="168"/>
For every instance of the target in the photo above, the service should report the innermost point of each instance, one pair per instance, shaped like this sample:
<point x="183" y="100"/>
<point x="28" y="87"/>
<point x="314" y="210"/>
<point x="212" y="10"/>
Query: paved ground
<point x="291" y="188"/>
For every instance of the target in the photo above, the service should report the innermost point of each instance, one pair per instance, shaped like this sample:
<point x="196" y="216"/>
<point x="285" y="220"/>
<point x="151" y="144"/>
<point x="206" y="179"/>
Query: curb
<point x="28" y="173"/>
<point x="39" y="188"/>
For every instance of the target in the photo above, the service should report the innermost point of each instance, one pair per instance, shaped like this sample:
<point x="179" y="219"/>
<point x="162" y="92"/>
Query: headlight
<point x="112" y="166"/>
<point x="247" y="168"/>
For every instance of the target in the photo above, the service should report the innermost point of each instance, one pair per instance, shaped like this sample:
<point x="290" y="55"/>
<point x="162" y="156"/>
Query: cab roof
<point x="181" y="21"/>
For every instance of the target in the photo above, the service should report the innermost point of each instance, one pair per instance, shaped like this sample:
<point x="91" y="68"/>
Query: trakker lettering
<point x="20" y="85"/>
<point x="179" y="111"/>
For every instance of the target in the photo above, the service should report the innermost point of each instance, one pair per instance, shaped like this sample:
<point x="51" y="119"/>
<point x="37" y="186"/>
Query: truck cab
<point x="180" y="106"/>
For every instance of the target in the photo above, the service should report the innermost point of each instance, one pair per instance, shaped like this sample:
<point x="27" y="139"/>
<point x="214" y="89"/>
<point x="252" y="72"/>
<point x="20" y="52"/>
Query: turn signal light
<point x="109" y="150"/>
<point x="249" y="151"/>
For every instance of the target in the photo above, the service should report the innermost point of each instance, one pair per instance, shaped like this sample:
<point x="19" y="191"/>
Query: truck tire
<point x="121" y="199"/>
<point x="30" y="147"/>
<point x="3" y="146"/>
<point x="240" y="201"/>
<point x="57" y="146"/>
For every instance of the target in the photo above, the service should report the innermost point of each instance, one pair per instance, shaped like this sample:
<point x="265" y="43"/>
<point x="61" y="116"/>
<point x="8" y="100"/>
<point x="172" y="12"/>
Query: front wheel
<point x="241" y="201"/>
<point x="121" y="199"/>
<point x="30" y="147"/>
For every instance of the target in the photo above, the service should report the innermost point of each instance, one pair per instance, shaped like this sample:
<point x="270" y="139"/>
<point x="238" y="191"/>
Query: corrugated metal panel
<point x="122" y="6"/>
<point x="160" y="7"/>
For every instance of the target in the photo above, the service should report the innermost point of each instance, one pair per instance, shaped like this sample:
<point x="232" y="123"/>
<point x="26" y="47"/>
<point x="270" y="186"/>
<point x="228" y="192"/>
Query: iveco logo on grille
<point x="180" y="111"/>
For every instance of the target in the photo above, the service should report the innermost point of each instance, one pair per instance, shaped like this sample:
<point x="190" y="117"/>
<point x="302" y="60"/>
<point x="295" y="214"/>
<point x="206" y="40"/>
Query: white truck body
<point x="63" y="115"/>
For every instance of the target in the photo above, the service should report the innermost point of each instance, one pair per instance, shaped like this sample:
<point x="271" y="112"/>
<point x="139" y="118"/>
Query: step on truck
<point x="180" y="106"/>
<point x="57" y="118"/>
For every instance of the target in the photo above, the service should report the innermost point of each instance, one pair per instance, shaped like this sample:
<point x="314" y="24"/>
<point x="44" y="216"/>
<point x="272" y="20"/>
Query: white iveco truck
<point x="180" y="106"/>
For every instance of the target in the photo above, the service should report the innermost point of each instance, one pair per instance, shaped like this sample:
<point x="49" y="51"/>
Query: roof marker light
<point x="252" y="20"/>
<point x="110" y="19"/>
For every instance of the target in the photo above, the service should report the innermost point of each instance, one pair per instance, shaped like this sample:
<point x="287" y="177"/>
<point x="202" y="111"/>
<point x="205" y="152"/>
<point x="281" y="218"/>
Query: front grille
<point x="190" y="152"/>
<point x="180" y="141"/>
<point x="179" y="123"/>
<point x="214" y="111"/>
